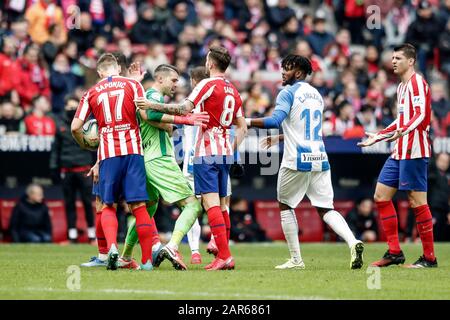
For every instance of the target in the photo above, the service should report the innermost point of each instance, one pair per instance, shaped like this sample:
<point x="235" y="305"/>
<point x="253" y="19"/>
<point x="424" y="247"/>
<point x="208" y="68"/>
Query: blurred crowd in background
<point x="49" y="49"/>
<point x="48" y="52"/>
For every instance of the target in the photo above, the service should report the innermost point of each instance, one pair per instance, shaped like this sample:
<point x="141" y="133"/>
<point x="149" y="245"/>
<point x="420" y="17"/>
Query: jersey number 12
<point x="317" y="122"/>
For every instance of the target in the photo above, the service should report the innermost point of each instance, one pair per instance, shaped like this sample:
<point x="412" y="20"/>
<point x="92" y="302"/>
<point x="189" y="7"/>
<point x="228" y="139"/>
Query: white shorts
<point x="190" y="179"/>
<point x="293" y="185"/>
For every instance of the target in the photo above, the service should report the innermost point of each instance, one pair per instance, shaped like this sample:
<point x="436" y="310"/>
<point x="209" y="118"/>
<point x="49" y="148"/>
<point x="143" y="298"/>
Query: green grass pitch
<point x="40" y="272"/>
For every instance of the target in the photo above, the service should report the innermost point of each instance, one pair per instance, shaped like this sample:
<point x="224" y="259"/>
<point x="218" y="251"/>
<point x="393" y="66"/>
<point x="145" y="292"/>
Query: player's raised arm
<point x="282" y="107"/>
<point x="191" y="119"/>
<point x="175" y="108"/>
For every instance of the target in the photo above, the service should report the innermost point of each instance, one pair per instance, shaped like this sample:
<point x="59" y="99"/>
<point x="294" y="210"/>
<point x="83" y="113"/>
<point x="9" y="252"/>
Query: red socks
<point x="424" y="222"/>
<point x="109" y="226"/>
<point x="144" y="228"/>
<point x="226" y="218"/>
<point x="101" y="240"/>
<point x="218" y="229"/>
<point x="155" y="234"/>
<point x="389" y="221"/>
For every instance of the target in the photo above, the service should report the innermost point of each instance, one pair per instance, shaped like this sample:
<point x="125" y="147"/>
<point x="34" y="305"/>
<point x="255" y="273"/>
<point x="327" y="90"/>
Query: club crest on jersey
<point x="155" y="95"/>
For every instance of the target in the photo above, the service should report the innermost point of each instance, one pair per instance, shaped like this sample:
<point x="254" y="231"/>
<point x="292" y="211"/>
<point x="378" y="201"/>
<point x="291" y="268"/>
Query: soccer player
<point x="164" y="177"/>
<point x="100" y="260"/>
<point x="198" y="74"/>
<point x="407" y="167"/>
<point x="213" y="149"/>
<point x="121" y="168"/>
<point x="305" y="168"/>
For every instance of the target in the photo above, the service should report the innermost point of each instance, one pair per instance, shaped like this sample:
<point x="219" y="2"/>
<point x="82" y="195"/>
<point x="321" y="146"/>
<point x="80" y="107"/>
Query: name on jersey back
<point x="109" y="85"/>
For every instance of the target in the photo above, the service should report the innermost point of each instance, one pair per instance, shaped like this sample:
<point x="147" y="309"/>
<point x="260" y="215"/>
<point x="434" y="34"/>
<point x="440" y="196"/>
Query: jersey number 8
<point x="228" y="108"/>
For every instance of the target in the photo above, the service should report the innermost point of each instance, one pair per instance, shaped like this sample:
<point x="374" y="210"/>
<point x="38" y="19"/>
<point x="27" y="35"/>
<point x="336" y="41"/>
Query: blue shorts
<point x="96" y="189"/>
<point x="409" y="174"/>
<point x="123" y="176"/>
<point x="211" y="174"/>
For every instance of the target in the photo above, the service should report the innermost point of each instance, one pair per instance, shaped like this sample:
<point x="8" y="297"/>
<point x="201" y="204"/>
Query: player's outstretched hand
<point x="135" y="72"/>
<point x="398" y="133"/>
<point x="369" y="141"/>
<point x="269" y="141"/>
<point x="94" y="173"/>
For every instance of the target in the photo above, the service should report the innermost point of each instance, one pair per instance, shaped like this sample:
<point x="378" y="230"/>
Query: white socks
<point x="290" y="230"/>
<point x="194" y="236"/>
<point x="340" y="226"/>
<point x="91" y="233"/>
<point x="73" y="234"/>
<point x="102" y="256"/>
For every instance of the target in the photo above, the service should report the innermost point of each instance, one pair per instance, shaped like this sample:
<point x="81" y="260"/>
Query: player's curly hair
<point x="293" y="61"/>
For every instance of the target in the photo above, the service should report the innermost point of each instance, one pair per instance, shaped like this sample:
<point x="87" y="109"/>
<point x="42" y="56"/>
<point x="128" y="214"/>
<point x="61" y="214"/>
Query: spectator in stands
<point x="84" y="35"/>
<point x="439" y="103"/>
<point x="345" y="119"/>
<point x="41" y="16"/>
<point x="319" y="38"/>
<point x="67" y="160"/>
<point x="256" y="101"/>
<point x="355" y="20"/>
<point x="438" y="196"/>
<point x="246" y="62"/>
<point x="62" y="82"/>
<point x="372" y="61"/>
<point x="444" y="50"/>
<point x="244" y="227"/>
<point x="362" y="220"/>
<point x="30" y="78"/>
<point x="359" y="68"/>
<point x="101" y="12"/>
<point x="176" y="23"/>
<point x="20" y="35"/>
<point x="273" y="60"/>
<point x="155" y="57"/>
<point x="397" y="22"/>
<point x="147" y="29"/>
<point x="7" y="57"/>
<point x="162" y="11"/>
<point x="10" y="117"/>
<point x="38" y="123"/>
<point x="278" y="15"/>
<point x="53" y="44"/>
<point x="304" y="49"/>
<point x="30" y="219"/>
<point x="249" y="15"/>
<point x="366" y="117"/>
<point x="289" y="35"/>
<point x="423" y="34"/>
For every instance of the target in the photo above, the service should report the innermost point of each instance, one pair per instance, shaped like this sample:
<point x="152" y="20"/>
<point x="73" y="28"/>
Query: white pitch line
<point x="169" y="293"/>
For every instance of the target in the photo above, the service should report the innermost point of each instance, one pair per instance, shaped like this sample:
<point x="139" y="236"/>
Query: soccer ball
<point x="90" y="133"/>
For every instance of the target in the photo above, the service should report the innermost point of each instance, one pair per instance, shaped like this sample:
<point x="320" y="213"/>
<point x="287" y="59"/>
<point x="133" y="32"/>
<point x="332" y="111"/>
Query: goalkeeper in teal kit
<point x="164" y="177"/>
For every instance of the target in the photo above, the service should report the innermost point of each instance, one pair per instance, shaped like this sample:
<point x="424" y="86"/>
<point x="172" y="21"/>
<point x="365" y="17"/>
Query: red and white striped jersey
<point x="413" y="116"/>
<point x="111" y="101"/>
<point x="222" y="101"/>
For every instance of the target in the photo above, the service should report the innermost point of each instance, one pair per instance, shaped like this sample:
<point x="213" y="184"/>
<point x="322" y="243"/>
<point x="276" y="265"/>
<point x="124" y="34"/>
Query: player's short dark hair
<point x="166" y="68"/>
<point x="408" y="50"/>
<point x="199" y="73"/>
<point x="296" y="62"/>
<point x="106" y="60"/>
<point x="220" y="56"/>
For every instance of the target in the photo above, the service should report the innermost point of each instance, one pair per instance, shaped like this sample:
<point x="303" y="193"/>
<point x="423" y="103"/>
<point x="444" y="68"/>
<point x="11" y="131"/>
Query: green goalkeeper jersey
<point x="156" y="142"/>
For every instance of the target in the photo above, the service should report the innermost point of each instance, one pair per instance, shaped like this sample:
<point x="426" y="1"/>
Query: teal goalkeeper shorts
<point x="165" y="179"/>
